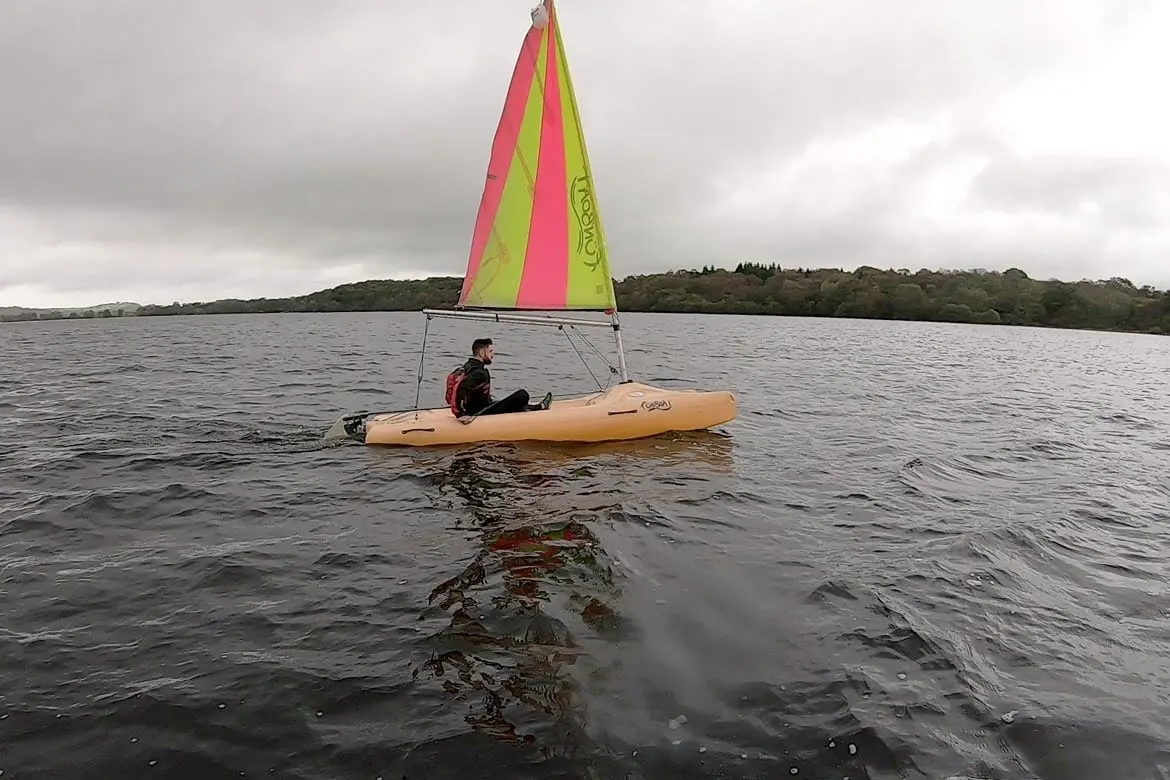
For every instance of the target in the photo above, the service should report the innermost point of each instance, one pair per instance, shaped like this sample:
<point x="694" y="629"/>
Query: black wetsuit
<point x="474" y="395"/>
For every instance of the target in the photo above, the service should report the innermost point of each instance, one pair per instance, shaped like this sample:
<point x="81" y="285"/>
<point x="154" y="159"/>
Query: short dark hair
<point x="479" y="344"/>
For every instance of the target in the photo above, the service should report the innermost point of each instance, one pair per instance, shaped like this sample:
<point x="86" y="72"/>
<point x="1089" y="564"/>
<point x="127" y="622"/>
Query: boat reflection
<point x="714" y="451"/>
<point x="541" y="589"/>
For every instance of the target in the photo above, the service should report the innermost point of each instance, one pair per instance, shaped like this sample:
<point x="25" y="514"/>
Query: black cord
<point x="596" y="351"/>
<point x="583" y="361"/>
<point x="421" y="356"/>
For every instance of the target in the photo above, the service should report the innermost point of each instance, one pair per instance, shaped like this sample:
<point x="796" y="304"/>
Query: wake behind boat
<point x="539" y="245"/>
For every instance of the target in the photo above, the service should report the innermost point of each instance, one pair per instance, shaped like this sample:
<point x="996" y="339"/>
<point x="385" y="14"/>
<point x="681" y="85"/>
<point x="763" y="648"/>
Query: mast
<point x="617" y="337"/>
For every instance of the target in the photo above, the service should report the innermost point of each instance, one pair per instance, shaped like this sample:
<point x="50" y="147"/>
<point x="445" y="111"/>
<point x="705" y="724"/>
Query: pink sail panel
<point x="546" y="262"/>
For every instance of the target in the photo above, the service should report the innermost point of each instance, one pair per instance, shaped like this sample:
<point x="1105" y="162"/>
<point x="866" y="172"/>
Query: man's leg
<point x="516" y="402"/>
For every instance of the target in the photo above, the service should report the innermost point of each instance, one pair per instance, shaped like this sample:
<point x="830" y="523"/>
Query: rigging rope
<point x="421" y="356"/>
<point x="574" y="346"/>
<point x="584" y="362"/>
<point x="596" y="351"/>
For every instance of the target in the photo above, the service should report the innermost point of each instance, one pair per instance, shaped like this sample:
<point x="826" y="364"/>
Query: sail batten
<point x="538" y="242"/>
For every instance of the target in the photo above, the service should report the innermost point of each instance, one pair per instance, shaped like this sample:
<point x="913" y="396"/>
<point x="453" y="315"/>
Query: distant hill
<point x="976" y="296"/>
<point x="23" y="313"/>
<point x="1010" y="297"/>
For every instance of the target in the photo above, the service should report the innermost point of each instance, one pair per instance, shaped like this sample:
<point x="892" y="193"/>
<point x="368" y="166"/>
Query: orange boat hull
<point x="627" y="411"/>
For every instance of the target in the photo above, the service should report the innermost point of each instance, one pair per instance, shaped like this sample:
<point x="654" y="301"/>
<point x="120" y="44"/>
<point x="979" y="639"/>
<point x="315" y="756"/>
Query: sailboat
<point x="539" y="246"/>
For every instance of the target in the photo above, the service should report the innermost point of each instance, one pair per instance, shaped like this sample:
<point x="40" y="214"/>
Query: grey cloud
<point x="359" y="130"/>
<point x="163" y="105"/>
<point x="1019" y="211"/>
<point x="1129" y="192"/>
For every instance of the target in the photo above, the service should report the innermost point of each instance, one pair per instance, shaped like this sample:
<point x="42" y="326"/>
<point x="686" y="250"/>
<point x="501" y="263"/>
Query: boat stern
<point x="350" y="427"/>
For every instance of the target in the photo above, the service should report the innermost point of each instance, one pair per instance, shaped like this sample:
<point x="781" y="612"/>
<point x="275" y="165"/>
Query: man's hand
<point x="465" y="419"/>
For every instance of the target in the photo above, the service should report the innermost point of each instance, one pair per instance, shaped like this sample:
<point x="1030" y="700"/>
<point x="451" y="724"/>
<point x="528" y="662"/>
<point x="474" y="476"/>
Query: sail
<point x="538" y="242"/>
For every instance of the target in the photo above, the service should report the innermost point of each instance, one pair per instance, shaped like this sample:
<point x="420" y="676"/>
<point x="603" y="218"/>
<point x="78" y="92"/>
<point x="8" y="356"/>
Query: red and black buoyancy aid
<point x="455" y="380"/>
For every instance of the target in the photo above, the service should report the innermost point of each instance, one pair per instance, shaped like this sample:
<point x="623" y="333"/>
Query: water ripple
<point x="922" y="551"/>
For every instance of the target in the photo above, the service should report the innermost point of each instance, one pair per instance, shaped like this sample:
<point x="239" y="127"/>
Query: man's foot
<point x="546" y="402"/>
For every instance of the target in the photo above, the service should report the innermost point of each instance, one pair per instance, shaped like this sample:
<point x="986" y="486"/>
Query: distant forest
<point x="19" y="314"/>
<point x="978" y="296"/>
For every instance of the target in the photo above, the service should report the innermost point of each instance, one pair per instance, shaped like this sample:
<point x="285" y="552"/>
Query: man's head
<point x="483" y="349"/>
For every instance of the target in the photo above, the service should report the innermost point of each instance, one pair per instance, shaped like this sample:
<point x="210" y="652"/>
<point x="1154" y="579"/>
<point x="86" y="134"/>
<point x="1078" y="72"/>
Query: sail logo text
<point x="584" y="209"/>
<point x="654" y="406"/>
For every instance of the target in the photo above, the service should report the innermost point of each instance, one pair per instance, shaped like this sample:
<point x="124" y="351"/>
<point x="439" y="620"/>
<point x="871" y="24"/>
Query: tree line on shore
<point x="18" y="314"/>
<point x="977" y="296"/>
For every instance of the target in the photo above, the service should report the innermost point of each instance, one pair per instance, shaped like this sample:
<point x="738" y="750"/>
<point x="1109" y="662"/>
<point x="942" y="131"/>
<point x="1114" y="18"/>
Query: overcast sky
<point x="158" y="151"/>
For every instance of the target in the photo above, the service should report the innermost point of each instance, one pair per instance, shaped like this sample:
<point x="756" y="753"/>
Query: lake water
<point x="921" y="551"/>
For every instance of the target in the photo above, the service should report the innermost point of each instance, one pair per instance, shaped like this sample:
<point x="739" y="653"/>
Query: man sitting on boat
<point x="469" y="388"/>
